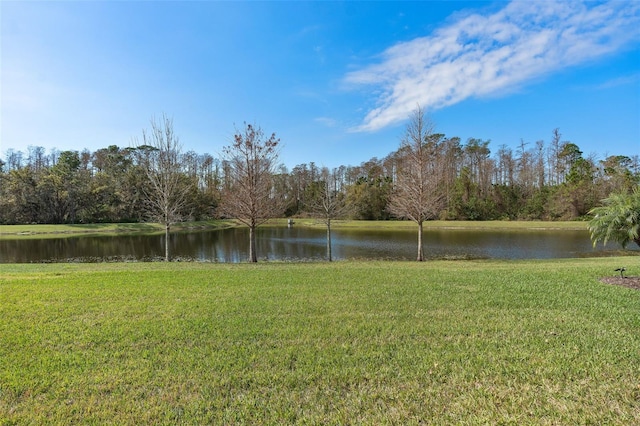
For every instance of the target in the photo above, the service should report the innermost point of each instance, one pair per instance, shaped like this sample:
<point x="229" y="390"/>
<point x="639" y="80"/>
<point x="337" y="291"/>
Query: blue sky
<point x="334" y="80"/>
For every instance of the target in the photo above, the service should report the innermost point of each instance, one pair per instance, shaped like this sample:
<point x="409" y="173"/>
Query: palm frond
<point x="617" y="219"/>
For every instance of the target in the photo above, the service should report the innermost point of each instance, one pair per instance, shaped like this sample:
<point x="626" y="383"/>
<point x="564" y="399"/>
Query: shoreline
<point x="95" y="229"/>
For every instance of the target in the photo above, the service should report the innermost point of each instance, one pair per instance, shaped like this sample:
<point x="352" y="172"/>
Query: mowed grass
<point x="473" y="342"/>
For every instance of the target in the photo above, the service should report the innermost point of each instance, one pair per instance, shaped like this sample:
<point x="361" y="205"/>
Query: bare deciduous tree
<point x="417" y="193"/>
<point x="329" y="203"/>
<point x="166" y="194"/>
<point x="250" y="198"/>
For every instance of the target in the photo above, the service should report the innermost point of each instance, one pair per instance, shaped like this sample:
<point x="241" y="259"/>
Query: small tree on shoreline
<point x="166" y="192"/>
<point x="328" y="205"/>
<point x="417" y="191"/>
<point x="249" y="197"/>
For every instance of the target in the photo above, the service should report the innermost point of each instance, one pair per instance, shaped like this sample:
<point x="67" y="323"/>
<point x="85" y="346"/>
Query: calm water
<point x="231" y="245"/>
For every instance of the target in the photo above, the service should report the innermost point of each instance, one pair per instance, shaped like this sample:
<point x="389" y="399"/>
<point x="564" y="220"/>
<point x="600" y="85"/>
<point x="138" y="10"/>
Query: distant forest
<point x="543" y="181"/>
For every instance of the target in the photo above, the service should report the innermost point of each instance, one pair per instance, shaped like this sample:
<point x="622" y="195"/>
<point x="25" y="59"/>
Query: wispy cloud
<point x="482" y="55"/>
<point x="620" y="81"/>
<point x="326" y="121"/>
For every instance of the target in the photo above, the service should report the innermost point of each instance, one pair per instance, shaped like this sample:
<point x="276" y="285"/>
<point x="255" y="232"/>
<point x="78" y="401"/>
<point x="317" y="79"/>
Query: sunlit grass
<point x="56" y="231"/>
<point x="51" y="231"/>
<point x="484" y="342"/>
<point x="439" y="224"/>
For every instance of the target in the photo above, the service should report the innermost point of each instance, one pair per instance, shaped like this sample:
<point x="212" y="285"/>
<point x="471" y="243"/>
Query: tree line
<point x="543" y="180"/>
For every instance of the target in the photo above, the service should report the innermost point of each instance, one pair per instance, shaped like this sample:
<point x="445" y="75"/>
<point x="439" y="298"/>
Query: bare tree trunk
<point x="253" y="257"/>
<point x="420" y="249"/>
<point x="167" y="258"/>
<point x="329" y="239"/>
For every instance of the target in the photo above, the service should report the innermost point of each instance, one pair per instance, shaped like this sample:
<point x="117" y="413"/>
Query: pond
<point x="302" y="244"/>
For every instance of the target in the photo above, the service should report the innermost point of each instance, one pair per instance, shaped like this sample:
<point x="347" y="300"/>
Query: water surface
<point x="301" y="244"/>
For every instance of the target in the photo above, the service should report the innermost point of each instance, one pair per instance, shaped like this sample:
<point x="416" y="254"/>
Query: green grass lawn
<point x="473" y="342"/>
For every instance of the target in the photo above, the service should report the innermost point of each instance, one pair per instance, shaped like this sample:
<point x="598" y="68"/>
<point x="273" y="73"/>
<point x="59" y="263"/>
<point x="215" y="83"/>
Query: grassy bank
<point x="442" y="224"/>
<point x="57" y="231"/>
<point x="486" y="342"/>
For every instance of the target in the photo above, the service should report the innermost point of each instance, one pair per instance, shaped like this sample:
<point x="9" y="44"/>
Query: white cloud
<point x="482" y="55"/>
